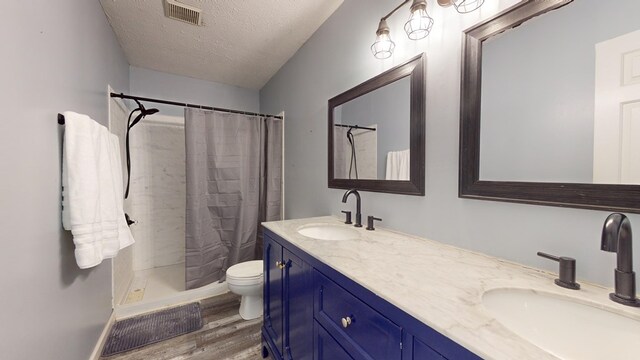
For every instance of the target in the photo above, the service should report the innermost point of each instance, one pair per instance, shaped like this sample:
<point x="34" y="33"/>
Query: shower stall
<point x="157" y="204"/>
<point x="151" y="273"/>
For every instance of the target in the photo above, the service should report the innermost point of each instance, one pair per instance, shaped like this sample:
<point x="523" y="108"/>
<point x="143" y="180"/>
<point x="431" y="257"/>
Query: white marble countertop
<point x="439" y="284"/>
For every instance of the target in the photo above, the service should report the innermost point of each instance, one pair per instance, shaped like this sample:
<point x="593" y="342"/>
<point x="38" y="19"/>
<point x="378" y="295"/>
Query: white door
<point x="617" y="111"/>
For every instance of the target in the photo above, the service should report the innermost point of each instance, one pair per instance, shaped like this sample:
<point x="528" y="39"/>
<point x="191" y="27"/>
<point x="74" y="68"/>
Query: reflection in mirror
<point x="535" y="127"/>
<point x="371" y="134"/>
<point x="376" y="133"/>
<point x="561" y="97"/>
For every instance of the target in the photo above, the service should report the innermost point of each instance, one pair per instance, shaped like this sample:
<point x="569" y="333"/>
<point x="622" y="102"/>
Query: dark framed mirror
<point x="550" y="106"/>
<point x="376" y="136"/>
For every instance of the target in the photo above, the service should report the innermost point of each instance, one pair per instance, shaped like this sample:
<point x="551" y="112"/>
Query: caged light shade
<point x="467" y="6"/>
<point x="383" y="47"/>
<point x="420" y="23"/>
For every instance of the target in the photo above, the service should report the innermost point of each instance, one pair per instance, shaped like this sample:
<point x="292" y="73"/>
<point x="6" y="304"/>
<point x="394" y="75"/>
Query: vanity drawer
<point x="361" y="330"/>
<point x="327" y="348"/>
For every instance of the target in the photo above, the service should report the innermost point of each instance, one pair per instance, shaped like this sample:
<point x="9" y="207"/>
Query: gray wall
<point x="155" y="84"/>
<point x="56" y="57"/>
<point x="336" y="58"/>
<point x="538" y="86"/>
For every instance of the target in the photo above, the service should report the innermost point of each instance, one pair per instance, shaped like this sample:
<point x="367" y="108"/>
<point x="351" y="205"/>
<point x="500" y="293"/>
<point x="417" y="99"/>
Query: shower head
<point x="143" y="111"/>
<point x="149" y="111"/>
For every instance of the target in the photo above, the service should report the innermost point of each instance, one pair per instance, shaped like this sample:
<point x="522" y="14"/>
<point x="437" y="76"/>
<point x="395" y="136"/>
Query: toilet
<point x="245" y="279"/>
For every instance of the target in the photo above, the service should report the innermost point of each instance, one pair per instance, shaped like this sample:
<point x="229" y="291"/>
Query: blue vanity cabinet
<point x="312" y="311"/>
<point x="288" y="304"/>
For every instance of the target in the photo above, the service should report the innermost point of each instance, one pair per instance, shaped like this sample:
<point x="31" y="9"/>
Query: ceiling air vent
<point x="182" y="12"/>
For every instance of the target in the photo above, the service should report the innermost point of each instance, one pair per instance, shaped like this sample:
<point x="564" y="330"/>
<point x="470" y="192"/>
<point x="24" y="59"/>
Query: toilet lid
<point x="247" y="269"/>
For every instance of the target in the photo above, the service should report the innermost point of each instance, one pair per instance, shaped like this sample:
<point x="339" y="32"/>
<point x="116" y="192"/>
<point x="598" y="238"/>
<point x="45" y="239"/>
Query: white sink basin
<point x="565" y="327"/>
<point x="328" y="232"/>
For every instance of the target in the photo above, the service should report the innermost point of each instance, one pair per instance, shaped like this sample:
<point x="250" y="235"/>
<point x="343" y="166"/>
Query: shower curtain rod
<point x="187" y="105"/>
<point x="61" y="120"/>
<point x="355" y="127"/>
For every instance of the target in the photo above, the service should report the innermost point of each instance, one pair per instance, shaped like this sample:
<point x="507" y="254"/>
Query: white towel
<point x="92" y="205"/>
<point x="398" y="165"/>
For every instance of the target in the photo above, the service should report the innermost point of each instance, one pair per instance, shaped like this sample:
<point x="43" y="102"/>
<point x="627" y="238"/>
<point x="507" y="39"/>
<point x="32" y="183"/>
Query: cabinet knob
<point x="280" y="264"/>
<point x="346" y="321"/>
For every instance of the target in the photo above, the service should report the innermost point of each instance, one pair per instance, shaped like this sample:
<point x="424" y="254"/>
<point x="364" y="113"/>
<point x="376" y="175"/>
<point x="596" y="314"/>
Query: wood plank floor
<point x="224" y="336"/>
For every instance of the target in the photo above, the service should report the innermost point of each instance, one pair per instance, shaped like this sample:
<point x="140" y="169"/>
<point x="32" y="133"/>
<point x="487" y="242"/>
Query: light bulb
<point x="419" y="24"/>
<point x="383" y="47"/>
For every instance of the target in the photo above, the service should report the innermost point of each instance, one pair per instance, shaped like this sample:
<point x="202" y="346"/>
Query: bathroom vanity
<point x="344" y="293"/>
<point x="311" y="311"/>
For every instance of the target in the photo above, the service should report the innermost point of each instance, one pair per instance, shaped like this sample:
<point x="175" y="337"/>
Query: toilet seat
<point x="245" y="273"/>
<point x="245" y="282"/>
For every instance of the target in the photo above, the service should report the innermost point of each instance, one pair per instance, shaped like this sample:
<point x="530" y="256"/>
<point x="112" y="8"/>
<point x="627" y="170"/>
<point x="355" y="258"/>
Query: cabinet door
<point x="327" y="348"/>
<point x="298" y="308"/>
<point x="273" y="294"/>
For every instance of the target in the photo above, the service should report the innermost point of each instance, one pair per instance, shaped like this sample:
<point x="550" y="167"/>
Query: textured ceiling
<point x="241" y="42"/>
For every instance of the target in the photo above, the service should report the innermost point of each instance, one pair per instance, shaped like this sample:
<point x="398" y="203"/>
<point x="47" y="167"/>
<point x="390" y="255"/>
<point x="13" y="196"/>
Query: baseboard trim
<point x="97" y="350"/>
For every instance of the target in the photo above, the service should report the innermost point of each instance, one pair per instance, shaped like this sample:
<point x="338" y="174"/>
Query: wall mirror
<point x="377" y="133"/>
<point x="550" y="107"/>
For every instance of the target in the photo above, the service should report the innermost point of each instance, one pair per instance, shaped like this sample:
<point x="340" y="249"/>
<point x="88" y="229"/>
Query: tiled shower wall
<point x="157" y="196"/>
<point x="366" y="153"/>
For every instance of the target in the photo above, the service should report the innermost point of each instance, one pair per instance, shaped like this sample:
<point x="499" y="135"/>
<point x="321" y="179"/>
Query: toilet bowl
<point x="245" y="279"/>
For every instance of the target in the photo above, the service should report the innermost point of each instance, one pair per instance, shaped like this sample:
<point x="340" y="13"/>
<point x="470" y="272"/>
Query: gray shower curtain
<point x="234" y="182"/>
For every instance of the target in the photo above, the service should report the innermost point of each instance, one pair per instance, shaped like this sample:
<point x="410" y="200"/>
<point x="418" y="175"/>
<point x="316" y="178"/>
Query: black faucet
<point x="358" y="205"/>
<point x="616" y="237"/>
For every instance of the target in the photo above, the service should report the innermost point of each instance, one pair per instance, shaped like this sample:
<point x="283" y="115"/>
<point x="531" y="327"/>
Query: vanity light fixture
<point x="419" y="24"/>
